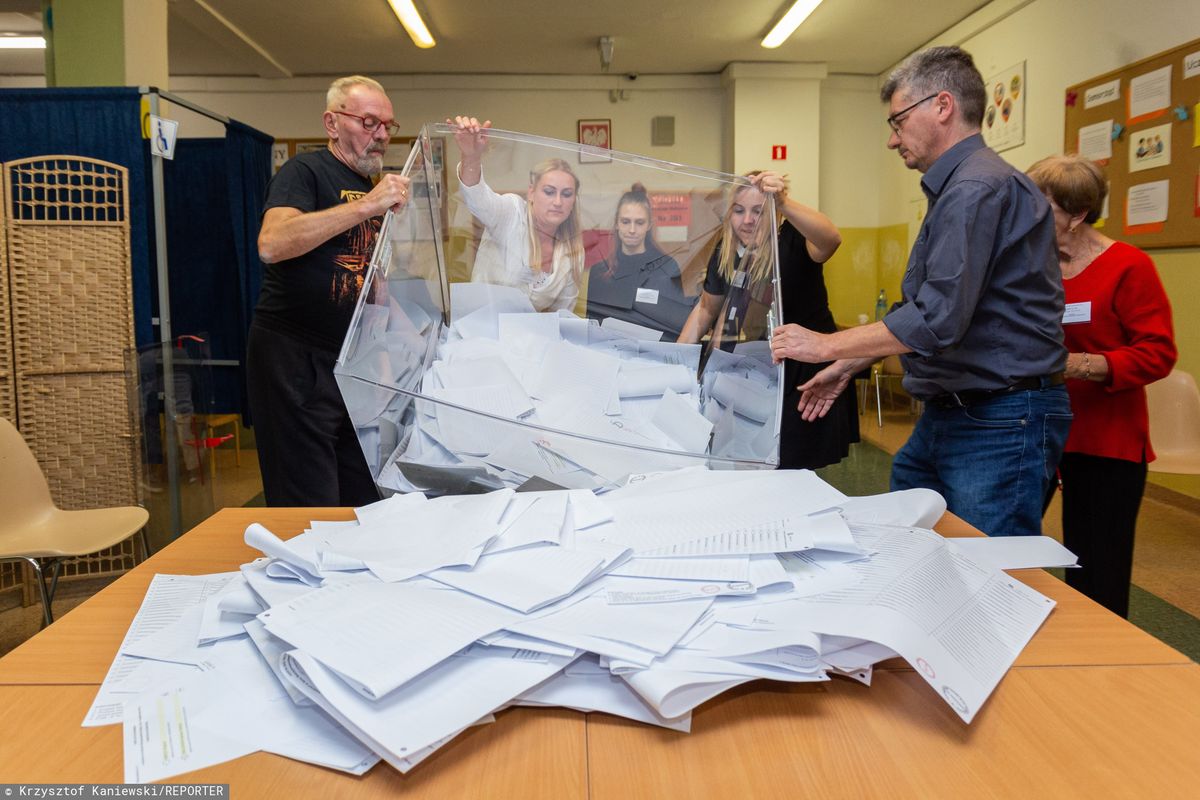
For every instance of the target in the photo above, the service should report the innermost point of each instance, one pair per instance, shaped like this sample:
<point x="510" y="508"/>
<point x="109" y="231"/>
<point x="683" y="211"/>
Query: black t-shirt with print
<point x="312" y="296"/>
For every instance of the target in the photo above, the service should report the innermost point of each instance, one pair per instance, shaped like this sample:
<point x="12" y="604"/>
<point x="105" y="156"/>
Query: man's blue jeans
<point x="993" y="461"/>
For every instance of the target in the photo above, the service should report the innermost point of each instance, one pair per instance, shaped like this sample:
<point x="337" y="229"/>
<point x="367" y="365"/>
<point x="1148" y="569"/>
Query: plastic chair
<point x="34" y="530"/>
<point x="1174" y="404"/>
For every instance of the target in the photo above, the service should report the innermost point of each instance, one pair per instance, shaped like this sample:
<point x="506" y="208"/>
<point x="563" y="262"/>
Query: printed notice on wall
<point x="1104" y="93"/>
<point x="1150" y="148"/>
<point x="1095" y="141"/>
<point x="1149" y="94"/>
<point x="1147" y="203"/>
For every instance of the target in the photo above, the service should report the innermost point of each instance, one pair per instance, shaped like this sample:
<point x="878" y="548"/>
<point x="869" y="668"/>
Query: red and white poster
<point x="672" y="215"/>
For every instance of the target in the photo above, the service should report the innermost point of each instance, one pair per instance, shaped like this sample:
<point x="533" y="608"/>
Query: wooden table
<point x="1093" y="707"/>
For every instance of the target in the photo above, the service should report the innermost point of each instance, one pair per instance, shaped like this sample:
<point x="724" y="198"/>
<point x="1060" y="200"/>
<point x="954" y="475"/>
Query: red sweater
<point x="1131" y="326"/>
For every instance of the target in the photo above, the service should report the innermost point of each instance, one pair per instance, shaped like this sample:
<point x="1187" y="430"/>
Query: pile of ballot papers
<point x="509" y="394"/>
<point x="386" y="636"/>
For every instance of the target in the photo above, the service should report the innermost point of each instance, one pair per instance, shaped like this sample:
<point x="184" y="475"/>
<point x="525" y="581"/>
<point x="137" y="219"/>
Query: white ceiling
<point x="336" y="37"/>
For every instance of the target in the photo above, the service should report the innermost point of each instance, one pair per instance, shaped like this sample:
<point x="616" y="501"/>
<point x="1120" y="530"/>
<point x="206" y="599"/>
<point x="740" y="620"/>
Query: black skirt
<point x="825" y="441"/>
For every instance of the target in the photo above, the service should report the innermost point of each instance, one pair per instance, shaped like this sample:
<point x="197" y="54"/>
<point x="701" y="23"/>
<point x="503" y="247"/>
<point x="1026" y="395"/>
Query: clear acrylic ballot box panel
<point x="529" y="325"/>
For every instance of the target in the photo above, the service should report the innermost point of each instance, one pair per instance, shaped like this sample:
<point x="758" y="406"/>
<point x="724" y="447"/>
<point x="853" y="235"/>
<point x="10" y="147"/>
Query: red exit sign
<point x="779" y="152"/>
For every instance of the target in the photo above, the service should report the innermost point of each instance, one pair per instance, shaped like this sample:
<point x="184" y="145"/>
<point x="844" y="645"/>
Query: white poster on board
<point x="1149" y="93"/>
<point x="1147" y="203"/>
<point x="1095" y="141"/>
<point x="1004" y="116"/>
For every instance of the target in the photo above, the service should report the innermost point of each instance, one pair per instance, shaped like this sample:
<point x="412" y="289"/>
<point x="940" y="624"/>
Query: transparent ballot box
<point x="570" y="316"/>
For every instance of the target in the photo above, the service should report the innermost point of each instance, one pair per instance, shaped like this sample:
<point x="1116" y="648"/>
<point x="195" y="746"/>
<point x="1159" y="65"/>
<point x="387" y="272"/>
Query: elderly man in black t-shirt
<point x="318" y="231"/>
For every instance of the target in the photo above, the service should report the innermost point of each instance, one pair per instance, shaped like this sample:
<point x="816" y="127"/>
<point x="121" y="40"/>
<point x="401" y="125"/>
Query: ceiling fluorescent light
<point x="791" y="20"/>
<point x="22" y="43"/>
<point x="407" y="13"/>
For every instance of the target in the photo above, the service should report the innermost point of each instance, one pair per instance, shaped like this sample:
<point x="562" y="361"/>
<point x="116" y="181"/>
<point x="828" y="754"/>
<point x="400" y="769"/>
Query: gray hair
<point x="335" y="98"/>
<point x="941" y="69"/>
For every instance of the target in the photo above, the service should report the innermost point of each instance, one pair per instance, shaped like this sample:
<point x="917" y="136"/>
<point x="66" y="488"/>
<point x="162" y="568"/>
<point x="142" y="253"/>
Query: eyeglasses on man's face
<point x="369" y="124"/>
<point x="896" y="120"/>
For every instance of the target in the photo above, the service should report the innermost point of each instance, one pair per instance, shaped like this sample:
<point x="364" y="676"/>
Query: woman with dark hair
<point x="1119" y="337"/>
<point x="806" y="239"/>
<point x="638" y="282"/>
<point x="535" y="242"/>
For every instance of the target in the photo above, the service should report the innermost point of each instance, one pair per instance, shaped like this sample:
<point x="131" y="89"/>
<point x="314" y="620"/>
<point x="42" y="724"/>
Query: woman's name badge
<point x="647" y="296"/>
<point x="739" y="278"/>
<point x="1077" y="312"/>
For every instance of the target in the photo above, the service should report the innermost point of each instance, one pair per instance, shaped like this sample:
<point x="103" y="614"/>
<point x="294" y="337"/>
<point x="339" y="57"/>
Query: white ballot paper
<point x="959" y="624"/>
<point x="439" y="703"/>
<point x="642" y="380"/>
<point x="216" y="716"/>
<point x="377" y="636"/>
<point x="167" y="599"/>
<point x="587" y="686"/>
<point x="569" y="367"/>
<point x="747" y="398"/>
<point x="1015" y="552"/>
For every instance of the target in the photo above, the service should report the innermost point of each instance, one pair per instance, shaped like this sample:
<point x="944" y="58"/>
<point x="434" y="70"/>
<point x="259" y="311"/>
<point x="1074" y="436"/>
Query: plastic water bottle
<point x="881" y="305"/>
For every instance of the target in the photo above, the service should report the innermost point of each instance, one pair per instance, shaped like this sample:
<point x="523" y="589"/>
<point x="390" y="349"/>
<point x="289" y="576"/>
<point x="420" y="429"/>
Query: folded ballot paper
<point x="384" y="637"/>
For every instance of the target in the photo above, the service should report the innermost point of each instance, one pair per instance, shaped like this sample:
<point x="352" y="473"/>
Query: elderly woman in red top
<point x="1119" y="335"/>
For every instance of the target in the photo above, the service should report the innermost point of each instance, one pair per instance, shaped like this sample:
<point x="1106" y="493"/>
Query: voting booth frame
<point x="465" y="369"/>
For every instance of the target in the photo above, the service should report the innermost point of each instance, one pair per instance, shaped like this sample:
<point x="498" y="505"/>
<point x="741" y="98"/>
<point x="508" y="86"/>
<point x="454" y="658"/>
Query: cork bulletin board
<point x="1147" y="113"/>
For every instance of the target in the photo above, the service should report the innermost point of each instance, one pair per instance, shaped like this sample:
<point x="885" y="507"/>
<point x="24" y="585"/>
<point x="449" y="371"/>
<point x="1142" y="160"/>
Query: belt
<point x="971" y="397"/>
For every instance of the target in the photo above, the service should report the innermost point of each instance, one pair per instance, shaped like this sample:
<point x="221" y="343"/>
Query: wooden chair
<point x="214" y="421"/>
<point x="34" y="530"/>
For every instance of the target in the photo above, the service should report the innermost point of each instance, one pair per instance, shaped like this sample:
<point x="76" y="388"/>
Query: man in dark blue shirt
<point x="981" y="320"/>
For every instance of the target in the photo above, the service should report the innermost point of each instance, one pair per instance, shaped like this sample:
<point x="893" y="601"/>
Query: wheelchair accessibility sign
<point x="162" y="136"/>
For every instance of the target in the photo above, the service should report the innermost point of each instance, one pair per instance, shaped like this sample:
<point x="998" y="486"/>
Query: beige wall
<point x="543" y="105"/>
<point x="777" y="104"/>
<point x="853" y="147"/>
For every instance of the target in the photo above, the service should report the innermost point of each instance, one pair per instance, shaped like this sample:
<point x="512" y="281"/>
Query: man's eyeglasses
<point x="370" y="123"/>
<point x="895" y="119"/>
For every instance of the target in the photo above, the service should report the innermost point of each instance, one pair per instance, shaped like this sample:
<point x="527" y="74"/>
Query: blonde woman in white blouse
<point x="534" y="242"/>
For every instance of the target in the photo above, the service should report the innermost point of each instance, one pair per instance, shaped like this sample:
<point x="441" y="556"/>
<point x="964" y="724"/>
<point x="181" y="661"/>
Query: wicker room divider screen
<point x="66" y="220"/>
<point x="10" y="572"/>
